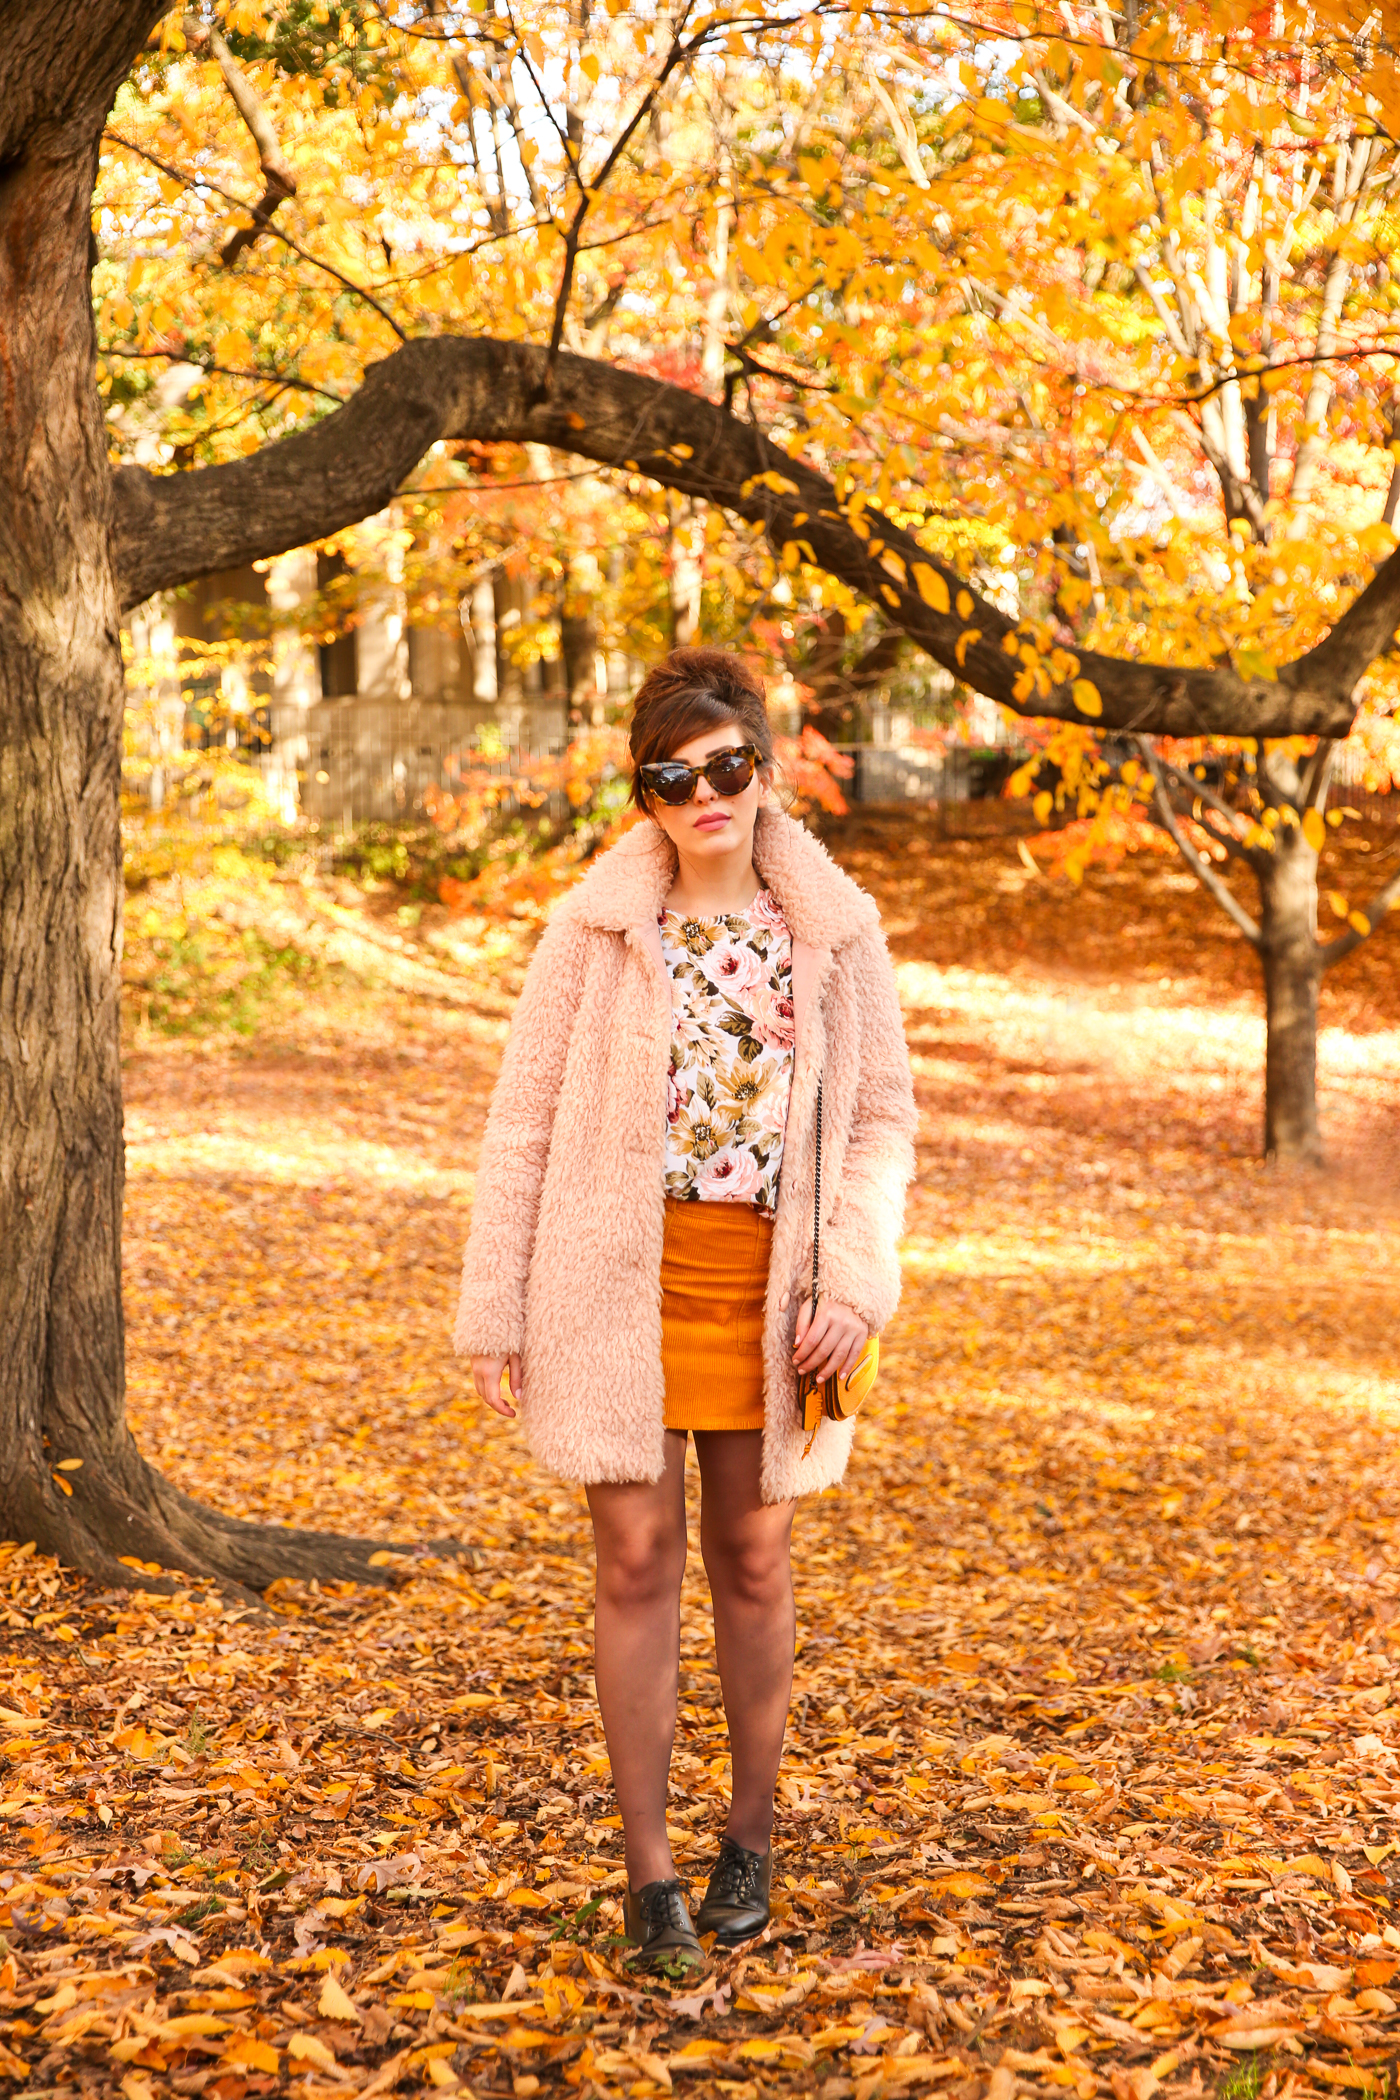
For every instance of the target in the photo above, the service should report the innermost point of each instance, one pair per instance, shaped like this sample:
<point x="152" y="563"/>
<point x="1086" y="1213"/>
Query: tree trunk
<point x="62" y="1379"/>
<point x="1292" y="977"/>
<point x="578" y="645"/>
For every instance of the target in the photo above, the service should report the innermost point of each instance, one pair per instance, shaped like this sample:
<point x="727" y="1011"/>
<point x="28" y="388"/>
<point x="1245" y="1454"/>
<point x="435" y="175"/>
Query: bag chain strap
<point x="817" y="1202"/>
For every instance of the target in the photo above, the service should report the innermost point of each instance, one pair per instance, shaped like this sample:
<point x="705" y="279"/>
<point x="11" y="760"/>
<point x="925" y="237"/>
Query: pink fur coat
<point x="563" y="1259"/>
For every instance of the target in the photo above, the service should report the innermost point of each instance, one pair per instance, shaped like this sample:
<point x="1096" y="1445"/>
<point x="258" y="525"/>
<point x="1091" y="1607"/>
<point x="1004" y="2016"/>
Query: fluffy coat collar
<point x="626" y="887"/>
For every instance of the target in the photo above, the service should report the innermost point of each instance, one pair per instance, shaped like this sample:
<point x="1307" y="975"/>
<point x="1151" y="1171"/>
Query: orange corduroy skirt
<point x="714" y="1278"/>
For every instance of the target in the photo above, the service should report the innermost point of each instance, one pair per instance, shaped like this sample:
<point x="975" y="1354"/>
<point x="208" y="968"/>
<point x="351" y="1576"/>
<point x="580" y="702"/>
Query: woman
<point x="642" y="1228"/>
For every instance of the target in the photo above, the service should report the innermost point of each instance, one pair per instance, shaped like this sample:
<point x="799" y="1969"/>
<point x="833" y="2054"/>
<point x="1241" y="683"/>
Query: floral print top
<point x="731" y="1054"/>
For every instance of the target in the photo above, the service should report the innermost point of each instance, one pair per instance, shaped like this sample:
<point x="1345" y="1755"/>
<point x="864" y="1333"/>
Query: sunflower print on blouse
<point x="731" y="1054"/>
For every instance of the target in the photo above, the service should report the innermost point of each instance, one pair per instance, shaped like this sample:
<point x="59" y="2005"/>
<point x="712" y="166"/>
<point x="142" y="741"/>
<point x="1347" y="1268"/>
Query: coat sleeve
<point x="860" y="1237"/>
<point x="515" y="1149"/>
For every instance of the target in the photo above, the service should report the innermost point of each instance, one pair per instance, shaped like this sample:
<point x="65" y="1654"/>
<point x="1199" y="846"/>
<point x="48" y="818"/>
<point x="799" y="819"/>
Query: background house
<point x="353" y="708"/>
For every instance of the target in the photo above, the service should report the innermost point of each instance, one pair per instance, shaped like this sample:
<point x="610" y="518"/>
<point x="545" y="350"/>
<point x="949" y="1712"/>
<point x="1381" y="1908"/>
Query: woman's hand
<point x="486" y="1377"/>
<point x="833" y="1342"/>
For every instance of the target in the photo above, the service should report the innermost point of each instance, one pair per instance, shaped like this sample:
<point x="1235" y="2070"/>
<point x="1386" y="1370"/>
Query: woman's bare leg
<point x="747" y="1548"/>
<point x="639" y="1530"/>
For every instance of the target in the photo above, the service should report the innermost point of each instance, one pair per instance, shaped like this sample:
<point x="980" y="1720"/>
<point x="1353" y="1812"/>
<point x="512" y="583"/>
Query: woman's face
<point x="711" y="827"/>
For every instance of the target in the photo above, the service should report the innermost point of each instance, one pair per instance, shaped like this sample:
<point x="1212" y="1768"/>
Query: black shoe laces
<point x="738" y="1876"/>
<point x="663" y="1904"/>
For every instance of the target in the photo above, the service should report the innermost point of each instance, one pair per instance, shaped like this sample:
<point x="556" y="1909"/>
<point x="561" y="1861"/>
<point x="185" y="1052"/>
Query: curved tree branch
<point x="1198" y="791"/>
<point x="1204" y="873"/>
<point x="1366" y="628"/>
<point x="168" y="529"/>
<point x="63" y="63"/>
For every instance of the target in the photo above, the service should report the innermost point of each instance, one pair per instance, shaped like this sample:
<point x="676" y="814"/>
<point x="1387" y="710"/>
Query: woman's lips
<point x="711" y="823"/>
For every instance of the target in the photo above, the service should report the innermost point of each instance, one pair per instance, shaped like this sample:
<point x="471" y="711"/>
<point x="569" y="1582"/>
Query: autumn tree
<point x="1190" y="300"/>
<point x="684" y="245"/>
<point x="1139" y="388"/>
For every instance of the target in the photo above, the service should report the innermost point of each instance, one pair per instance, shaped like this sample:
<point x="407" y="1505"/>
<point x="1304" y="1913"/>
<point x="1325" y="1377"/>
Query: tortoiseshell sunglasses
<point x="728" y="772"/>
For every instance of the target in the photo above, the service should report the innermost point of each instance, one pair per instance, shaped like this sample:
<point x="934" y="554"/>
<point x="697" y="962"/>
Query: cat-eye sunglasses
<point x="728" y="772"/>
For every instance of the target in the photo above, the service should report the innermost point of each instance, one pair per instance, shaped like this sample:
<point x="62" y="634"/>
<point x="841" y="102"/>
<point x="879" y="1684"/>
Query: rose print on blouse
<point x="732" y="1176"/>
<point x="736" y="969"/>
<point x="772" y="1016"/>
<point x="731" y="1054"/>
<point x="764" y="912"/>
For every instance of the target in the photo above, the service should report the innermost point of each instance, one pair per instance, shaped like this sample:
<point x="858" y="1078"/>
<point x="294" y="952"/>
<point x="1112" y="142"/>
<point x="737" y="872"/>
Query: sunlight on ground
<point x="1090" y="1238"/>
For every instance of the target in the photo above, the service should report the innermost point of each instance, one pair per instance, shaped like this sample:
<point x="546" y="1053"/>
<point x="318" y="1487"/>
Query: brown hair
<point x="695" y="690"/>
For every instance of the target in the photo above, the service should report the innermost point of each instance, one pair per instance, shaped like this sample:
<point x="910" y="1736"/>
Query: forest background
<point x="1099" y="322"/>
<point x="1092" y="1783"/>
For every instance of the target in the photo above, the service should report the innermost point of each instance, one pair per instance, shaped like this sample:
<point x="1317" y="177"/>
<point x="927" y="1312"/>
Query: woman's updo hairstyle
<point x="692" y="691"/>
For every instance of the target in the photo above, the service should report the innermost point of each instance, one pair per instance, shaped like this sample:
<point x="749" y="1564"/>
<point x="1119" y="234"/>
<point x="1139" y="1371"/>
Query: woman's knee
<point x="748" y="1571"/>
<point x="640" y="1563"/>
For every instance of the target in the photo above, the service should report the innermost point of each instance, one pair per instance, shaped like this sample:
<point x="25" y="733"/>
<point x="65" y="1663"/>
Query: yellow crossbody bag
<point x="831" y="1399"/>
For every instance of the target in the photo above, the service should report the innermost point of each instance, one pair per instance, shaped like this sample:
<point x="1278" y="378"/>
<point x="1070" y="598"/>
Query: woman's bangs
<point x="695" y="715"/>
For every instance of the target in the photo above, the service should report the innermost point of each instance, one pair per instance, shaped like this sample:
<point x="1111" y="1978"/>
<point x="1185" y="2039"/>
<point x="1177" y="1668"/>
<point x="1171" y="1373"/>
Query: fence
<point x="1350" y="773"/>
<point x="912" y="773"/>
<point x="376" y="765"/>
<point x="375" y="762"/>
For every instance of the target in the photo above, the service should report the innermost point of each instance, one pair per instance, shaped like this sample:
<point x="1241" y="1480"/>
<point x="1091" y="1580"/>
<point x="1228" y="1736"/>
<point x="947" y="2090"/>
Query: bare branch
<point x="183" y="357"/>
<point x="902" y="130"/>
<point x="1064" y="112"/>
<point x="1197" y="791"/>
<point x="279" y="183"/>
<point x="1364" y="157"/>
<point x="589" y="190"/>
<point x="1372" y="913"/>
<point x="1317" y="775"/>
<point x="1159" y="474"/>
<point x="1201" y="869"/>
<point x="1170" y="327"/>
<point x="1256" y="369"/>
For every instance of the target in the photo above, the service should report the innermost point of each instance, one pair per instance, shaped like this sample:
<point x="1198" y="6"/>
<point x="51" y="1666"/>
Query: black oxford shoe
<point x="736" y="1902"/>
<point x="658" y="1922"/>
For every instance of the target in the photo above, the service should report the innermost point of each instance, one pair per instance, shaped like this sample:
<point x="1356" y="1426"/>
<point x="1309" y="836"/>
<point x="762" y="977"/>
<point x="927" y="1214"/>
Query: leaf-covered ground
<point x="1091" y="1780"/>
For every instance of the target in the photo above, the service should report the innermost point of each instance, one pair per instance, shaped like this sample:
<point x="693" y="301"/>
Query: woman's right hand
<point x="486" y="1377"/>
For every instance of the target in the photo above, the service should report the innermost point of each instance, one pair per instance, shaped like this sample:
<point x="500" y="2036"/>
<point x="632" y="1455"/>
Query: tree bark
<point x="578" y="645"/>
<point x="1292" y="961"/>
<point x="61" y="700"/>
<point x="62" y="1377"/>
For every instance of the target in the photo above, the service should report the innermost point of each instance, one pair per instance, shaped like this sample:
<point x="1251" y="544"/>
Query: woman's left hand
<point x="833" y="1343"/>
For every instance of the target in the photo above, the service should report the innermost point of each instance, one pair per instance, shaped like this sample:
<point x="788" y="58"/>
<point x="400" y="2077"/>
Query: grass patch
<point x="196" y="982"/>
<point x="1243" y="2080"/>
